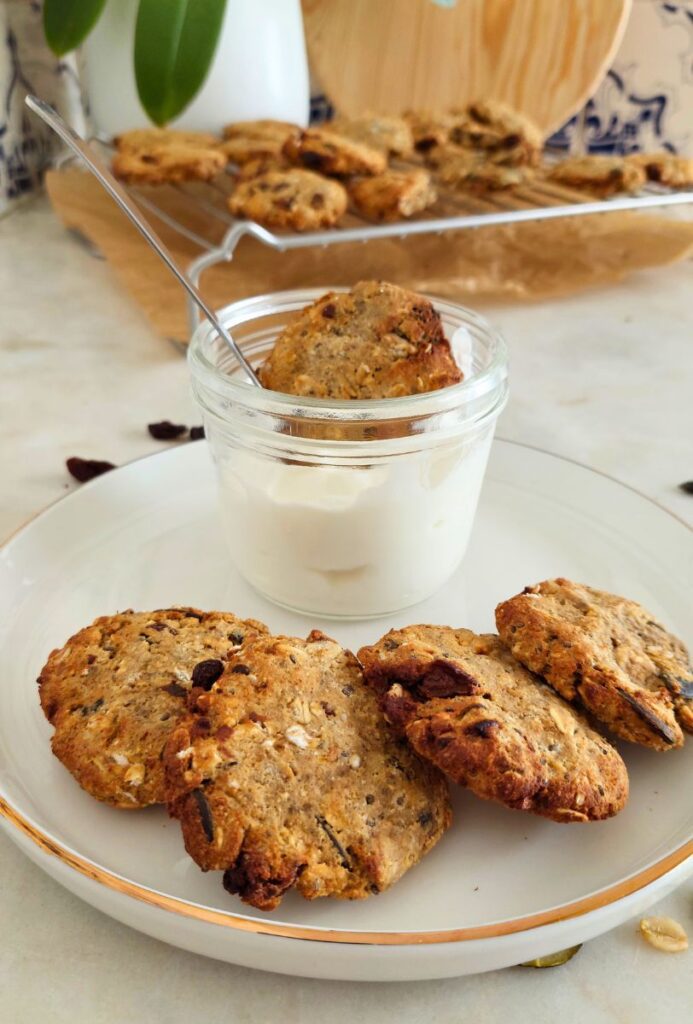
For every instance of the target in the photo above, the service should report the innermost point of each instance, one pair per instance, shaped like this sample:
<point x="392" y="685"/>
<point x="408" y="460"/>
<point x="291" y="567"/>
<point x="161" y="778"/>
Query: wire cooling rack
<point x="454" y="211"/>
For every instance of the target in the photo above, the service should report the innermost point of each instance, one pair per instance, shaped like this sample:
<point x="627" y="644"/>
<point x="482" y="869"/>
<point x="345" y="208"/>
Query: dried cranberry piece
<point x="86" y="469"/>
<point x="197" y="433"/>
<point x="206" y="673"/>
<point x="166" y="431"/>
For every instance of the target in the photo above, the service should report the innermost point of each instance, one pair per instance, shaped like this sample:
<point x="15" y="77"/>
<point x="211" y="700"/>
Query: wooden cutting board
<point x="545" y="57"/>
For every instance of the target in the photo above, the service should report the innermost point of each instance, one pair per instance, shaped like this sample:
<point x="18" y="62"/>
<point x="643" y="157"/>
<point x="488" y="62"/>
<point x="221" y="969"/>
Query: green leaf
<point x="175" y="41"/>
<point x="68" y="22"/>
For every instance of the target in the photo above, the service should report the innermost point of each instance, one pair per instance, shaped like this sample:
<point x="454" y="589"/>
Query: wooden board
<point x="545" y="57"/>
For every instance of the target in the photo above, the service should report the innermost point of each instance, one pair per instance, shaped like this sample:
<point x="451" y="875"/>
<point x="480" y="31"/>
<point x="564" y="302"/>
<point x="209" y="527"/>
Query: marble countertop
<point x="605" y="378"/>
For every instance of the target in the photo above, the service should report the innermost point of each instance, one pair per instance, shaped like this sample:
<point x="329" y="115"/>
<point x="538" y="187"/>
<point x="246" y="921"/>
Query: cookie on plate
<point x="376" y="341"/>
<point x="607" y="653"/>
<point x="666" y="168"/>
<point x="505" y="135"/>
<point x="601" y="175"/>
<point x="151" y="138"/>
<point x="465" y="704"/>
<point x="168" y="164"/>
<point x="286" y="775"/>
<point x="319" y="149"/>
<point x="116" y="689"/>
<point x="248" y="140"/>
<point x="391" y="135"/>
<point x="293" y="198"/>
<point x="393" y="195"/>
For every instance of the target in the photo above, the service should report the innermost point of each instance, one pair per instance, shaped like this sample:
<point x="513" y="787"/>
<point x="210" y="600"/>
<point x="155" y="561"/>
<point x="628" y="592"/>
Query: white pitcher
<point x="259" y="69"/>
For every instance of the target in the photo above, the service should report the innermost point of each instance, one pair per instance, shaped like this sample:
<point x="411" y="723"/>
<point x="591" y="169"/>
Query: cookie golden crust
<point x="168" y="164"/>
<point x="375" y="341"/>
<point x="393" y="195"/>
<point x="471" y="171"/>
<point x="602" y="175"/>
<point x="666" y="168"/>
<point x="390" y="135"/>
<point x="429" y="128"/>
<point x="319" y="149"/>
<point x="153" y="138"/>
<point x="608" y="654"/>
<point x="286" y="775"/>
<point x="505" y="135"/>
<point x="294" y="199"/>
<point x="465" y="704"/>
<point x="117" y="688"/>
<point x="250" y="140"/>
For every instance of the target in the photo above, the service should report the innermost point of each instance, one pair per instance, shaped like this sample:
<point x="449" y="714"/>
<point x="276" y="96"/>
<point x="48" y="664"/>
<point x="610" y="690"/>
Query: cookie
<point x="601" y="175"/>
<point x="393" y="195"/>
<point x="505" y="135"/>
<point x="390" y="135"/>
<point x="168" y="164"/>
<point x="286" y="775"/>
<point x="262" y="165"/>
<point x="290" y="199"/>
<point x="469" y="171"/>
<point x="154" y="138"/>
<point x="465" y="704"/>
<point x="666" y="168"/>
<point x="429" y="128"/>
<point x="319" y="149"/>
<point x="116" y="689"/>
<point x="606" y="653"/>
<point x="248" y="140"/>
<point x="375" y="341"/>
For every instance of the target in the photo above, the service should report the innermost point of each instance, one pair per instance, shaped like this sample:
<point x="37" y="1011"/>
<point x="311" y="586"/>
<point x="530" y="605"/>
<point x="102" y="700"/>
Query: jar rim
<point x="237" y="388"/>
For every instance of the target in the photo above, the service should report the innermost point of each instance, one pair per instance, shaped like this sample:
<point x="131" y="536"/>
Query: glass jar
<point x="346" y="508"/>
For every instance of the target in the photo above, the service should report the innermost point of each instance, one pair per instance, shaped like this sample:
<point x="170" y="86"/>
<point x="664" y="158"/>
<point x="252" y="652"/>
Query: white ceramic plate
<point x="501" y="887"/>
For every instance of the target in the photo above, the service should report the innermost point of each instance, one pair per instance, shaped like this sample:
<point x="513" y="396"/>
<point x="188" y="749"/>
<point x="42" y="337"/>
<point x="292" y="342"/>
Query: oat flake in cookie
<point x="606" y="653"/>
<point x="465" y="704"/>
<point x="287" y="775"/>
<point x="117" y="688"/>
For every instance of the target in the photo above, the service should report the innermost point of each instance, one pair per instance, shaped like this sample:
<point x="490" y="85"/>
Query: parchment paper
<point x="526" y="261"/>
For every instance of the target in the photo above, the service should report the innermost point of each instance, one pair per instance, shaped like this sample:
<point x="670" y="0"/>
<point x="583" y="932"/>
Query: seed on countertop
<point x="166" y="431"/>
<point x="86" y="469"/>
<point x="554" y="959"/>
<point x="664" y="933"/>
<point x="197" y="433"/>
<point x="686" y="487"/>
<point x="206" y="673"/>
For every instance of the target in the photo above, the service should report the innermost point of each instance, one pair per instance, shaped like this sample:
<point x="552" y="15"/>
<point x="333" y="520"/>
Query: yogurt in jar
<point x="350" y="540"/>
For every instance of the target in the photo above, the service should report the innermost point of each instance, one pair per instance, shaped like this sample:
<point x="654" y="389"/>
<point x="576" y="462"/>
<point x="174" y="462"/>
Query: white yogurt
<point x="352" y="541"/>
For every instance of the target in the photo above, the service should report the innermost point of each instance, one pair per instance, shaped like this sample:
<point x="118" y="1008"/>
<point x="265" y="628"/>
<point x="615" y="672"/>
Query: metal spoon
<point x="99" y="169"/>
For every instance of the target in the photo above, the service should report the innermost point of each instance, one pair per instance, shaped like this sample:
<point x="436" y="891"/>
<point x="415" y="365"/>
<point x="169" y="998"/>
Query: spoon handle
<point x="100" y="171"/>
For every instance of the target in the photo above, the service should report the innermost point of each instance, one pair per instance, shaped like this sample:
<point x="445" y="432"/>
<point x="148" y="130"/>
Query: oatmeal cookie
<point x="393" y="195"/>
<point x="117" y="688"/>
<point x="167" y="164"/>
<point x="290" y="199"/>
<point x="601" y="175"/>
<point x="505" y="135"/>
<point x="390" y="135"/>
<point x="375" y="341"/>
<point x="155" y="138"/>
<point x="429" y="128"/>
<point x="666" y="168"/>
<point x="465" y="704"/>
<point x="319" y="149"/>
<point x="286" y="775"/>
<point x="470" y="171"/>
<point x="248" y="140"/>
<point x="606" y="653"/>
<point x="262" y="165"/>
